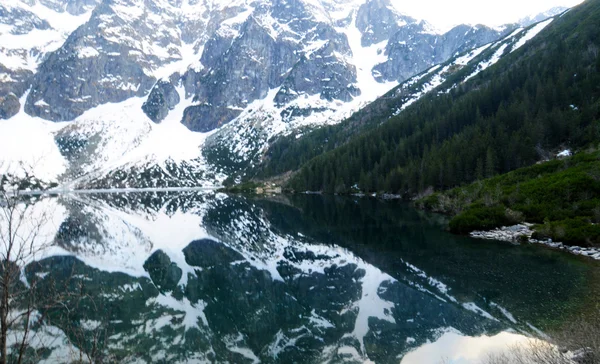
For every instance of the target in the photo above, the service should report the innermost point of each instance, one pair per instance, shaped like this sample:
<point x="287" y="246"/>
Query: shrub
<point x="480" y="218"/>
<point x="577" y="231"/>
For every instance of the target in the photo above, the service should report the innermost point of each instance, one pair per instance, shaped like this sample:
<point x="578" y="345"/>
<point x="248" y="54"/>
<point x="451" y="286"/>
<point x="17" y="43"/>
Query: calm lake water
<point x="204" y="277"/>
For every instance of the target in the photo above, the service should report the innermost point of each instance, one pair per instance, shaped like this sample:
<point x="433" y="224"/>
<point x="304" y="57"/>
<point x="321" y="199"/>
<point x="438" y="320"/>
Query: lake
<point x="194" y="276"/>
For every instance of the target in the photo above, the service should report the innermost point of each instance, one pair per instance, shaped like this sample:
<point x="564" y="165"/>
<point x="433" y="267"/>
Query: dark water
<point x="196" y="277"/>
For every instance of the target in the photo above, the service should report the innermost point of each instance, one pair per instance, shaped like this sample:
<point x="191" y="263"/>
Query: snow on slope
<point x="151" y="142"/>
<point x="126" y="138"/>
<point x="170" y="139"/>
<point x="365" y="59"/>
<point x="25" y="50"/>
<point x="493" y="60"/>
<point x="111" y="136"/>
<point x="531" y="33"/>
<point x="119" y="136"/>
<point x="477" y="60"/>
<point x="27" y="147"/>
<point x="117" y="129"/>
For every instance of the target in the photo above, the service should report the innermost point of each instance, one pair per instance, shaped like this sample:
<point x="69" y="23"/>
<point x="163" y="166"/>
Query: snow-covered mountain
<point x="535" y="18"/>
<point x="157" y="93"/>
<point x="29" y="30"/>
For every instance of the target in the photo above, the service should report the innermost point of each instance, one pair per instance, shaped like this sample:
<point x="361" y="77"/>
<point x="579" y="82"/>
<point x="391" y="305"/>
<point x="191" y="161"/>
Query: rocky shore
<point x="522" y="233"/>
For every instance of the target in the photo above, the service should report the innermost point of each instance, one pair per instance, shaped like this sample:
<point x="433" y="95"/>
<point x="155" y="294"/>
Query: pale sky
<point x="445" y="13"/>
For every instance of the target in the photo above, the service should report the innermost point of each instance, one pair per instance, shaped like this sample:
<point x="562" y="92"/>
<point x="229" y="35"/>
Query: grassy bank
<point x="561" y="196"/>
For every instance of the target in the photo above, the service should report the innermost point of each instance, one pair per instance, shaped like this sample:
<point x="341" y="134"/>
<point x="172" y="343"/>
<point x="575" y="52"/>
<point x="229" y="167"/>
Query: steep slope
<point x="535" y="18"/>
<point x="290" y="152"/>
<point x="29" y="30"/>
<point x="540" y="97"/>
<point x="127" y="44"/>
<point x="251" y="70"/>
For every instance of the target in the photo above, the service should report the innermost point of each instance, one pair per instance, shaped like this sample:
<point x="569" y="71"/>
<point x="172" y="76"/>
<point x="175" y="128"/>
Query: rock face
<point x="290" y="47"/>
<point x="30" y="30"/>
<point x="378" y="22"/>
<point x="162" y="98"/>
<point x="304" y="57"/>
<point x="412" y="49"/>
<point x="9" y="106"/>
<point x="250" y="70"/>
<point x="21" y="20"/>
<point x="321" y="72"/>
<point x="227" y="55"/>
<point x="73" y="7"/>
<point x="103" y="61"/>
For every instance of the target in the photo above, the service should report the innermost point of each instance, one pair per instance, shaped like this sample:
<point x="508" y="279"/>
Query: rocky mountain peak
<point x="247" y="71"/>
<point x="378" y="20"/>
<point x="534" y="18"/>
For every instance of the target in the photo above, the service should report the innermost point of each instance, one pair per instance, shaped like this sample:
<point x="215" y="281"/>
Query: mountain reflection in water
<point x="204" y="277"/>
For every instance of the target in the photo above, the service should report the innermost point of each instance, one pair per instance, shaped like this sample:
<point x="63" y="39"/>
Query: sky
<point x="443" y="14"/>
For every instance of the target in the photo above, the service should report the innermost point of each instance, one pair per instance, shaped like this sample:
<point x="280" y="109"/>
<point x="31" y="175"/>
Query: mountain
<point x="540" y="98"/>
<point x="30" y="30"/>
<point x="291" y="152"/>
<point x="133" y="93"/>
<point x="535" y="18"/>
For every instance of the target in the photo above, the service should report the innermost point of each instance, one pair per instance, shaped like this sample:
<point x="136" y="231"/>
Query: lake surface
<point x="202" y="277"/>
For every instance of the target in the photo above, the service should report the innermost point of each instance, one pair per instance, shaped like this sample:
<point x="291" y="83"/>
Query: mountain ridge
<point x="536" y="97"/>
<point x="311" y="72"/>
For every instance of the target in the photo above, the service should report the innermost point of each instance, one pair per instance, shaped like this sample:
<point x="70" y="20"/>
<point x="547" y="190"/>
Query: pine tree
<point x="490" y="169"/>
<point x="479" y="169"/>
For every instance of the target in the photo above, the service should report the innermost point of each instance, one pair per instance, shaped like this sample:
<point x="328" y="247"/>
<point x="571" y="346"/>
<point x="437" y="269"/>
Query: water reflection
<point x="191" y="276"/>
<point x="452" y="347"/>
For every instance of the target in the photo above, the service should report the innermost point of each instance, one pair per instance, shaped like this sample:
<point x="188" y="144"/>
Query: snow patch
<point x="88" y="52"/>
<point x="531" y="33"/>
<point x="27" y="147"/>
<point x="565" y="153"/>
<point x="486" y="64"/>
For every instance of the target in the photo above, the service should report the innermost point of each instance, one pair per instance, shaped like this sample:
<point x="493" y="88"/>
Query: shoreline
<point x="521" y="233"/>
<point x="112" y="190"/>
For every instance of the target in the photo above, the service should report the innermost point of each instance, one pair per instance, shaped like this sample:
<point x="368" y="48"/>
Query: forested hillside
<point x="530" y="105"/>
<point x="562" y="197"/>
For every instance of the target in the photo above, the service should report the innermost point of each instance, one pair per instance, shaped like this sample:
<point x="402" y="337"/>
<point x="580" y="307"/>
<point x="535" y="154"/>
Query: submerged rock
<point x="164" y="273"/>
<point x="206" y="253"/>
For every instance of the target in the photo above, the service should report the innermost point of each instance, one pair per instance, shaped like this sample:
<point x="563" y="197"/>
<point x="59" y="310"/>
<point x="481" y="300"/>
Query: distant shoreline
<point x="114" y="190"/>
